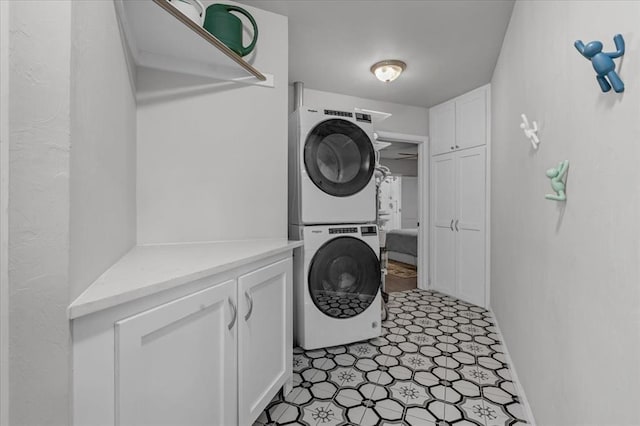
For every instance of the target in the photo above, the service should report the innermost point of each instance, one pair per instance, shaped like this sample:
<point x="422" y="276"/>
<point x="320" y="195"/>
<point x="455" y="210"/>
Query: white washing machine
<point x="336" y="285"/>
<point x="331" y="166"/>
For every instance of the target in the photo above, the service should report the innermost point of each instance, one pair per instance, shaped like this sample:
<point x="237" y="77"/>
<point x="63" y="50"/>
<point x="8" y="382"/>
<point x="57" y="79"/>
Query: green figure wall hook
<point x="556" y="174"/>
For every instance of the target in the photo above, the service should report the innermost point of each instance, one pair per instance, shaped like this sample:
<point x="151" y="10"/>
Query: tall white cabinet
<point x="459" y="197"/>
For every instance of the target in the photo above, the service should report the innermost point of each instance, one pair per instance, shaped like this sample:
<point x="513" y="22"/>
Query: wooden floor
<point x="394" y="283"/>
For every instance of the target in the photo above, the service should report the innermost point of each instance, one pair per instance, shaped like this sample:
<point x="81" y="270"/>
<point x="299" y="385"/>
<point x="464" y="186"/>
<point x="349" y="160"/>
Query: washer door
<point x="339" y="157"/>
<point x="344" y="277"/>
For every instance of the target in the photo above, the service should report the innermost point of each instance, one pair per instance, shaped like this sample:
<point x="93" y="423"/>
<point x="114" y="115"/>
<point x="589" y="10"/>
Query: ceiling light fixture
<point x="388" y="70"/>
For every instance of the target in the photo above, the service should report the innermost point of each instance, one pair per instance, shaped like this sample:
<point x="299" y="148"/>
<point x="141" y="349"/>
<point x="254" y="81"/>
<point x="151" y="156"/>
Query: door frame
<point x="4" y="227"/>
<point x="423" y="198"/>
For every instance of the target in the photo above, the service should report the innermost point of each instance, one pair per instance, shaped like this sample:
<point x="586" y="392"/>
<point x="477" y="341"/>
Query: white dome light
<point x="388" y="70"/>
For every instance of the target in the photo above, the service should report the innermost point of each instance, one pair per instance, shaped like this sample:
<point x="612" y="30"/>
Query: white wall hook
<point x="530" y="132"/>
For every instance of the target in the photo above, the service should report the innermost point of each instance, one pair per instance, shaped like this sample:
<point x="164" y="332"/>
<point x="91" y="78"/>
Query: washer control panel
<point x="363" y="117"/>
<point x="369" y="230"/>
<point x="343" y="230"/>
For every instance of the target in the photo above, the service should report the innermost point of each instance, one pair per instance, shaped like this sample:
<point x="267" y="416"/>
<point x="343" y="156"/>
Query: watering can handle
<point x="249" y="48"/>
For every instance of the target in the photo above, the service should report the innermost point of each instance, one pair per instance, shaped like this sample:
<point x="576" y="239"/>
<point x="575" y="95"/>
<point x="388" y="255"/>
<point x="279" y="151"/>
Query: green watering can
<point x="228" y="28"/>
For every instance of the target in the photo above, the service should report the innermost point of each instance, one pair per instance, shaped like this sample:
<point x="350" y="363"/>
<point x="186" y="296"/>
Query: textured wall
<point x="103" y="145"/>
<point x="4" y="225"/>
<point x="72" y="186"/>
<point x="39" y="212"/>
<point x="565" y="276"/>
<point x="212" y="156"/>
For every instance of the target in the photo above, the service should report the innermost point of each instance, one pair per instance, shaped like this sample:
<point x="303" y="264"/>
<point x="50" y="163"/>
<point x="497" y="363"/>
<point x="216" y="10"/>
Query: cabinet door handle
<point x="235" y="314"/>
<point x="456" y="225"/>
<point x="457" y="146"/>
<point x="250" y="301"/>
<point x="451" y="225"/>
<point x="451" y="147"/>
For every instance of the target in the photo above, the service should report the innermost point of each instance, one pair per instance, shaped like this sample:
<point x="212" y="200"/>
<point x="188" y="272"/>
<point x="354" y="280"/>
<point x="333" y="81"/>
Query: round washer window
<point x="339" y="157"/>
<point x="344" y="277"/>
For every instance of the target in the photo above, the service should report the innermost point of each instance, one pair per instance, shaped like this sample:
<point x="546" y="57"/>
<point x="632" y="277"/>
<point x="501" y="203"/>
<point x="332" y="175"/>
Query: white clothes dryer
<point x="331" y="167"/>
<point x="336" y="285"/>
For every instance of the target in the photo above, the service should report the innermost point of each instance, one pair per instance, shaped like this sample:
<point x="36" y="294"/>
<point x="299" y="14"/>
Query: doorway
<point x="403" y="210"/>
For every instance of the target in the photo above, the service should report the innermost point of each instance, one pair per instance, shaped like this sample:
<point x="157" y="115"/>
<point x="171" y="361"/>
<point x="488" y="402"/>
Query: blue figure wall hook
<point x="603" y="62"/>
<point x="556" y="174"/>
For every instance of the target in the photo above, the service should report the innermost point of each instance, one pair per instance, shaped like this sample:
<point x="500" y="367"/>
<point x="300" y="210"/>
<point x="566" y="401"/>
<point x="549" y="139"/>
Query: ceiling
<point x="396" y="151"/>
<point x="450" y="46"/>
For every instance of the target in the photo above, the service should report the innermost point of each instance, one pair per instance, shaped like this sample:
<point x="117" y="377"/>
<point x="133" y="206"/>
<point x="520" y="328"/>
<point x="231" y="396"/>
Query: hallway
<point x="400" y="277"/>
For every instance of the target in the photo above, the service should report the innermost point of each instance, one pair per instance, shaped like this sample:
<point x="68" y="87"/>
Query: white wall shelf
<point x="159" y="36"/>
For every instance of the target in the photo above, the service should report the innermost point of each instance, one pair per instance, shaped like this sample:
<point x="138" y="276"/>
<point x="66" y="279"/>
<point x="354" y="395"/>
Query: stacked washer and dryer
<point x="332" y="208"/>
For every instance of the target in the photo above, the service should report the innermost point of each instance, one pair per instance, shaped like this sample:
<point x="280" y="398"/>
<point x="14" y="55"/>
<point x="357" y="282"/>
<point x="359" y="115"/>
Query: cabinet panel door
<point x="443" y="213"/>
<point x="471" y="214"/>
<point x="442" y="128"/>
<point x="443" y="263"/>
<point x="265" y="337"/>
<point x="471" y="119"/>
<point x="176" y="363"/>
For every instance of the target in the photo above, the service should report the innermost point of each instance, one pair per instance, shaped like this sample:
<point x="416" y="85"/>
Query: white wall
<point x="212" y="157"/>
<point x="565" y="276"/>
<point x="401" y="167"/>
<point x="103" y="149"/>
<point x="39" y="212"/>
<point x="405" y="119"/>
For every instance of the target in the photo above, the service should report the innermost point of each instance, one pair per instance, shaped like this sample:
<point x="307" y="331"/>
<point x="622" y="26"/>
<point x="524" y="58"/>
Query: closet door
<point x="443" y="214"/>
<point x="470" y="225"/>
<point x="471" y="119"/>
<point x="442" y="128"/>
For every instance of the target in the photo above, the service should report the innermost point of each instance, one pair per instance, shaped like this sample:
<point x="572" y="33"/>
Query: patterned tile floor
<point x="439" y="361"/>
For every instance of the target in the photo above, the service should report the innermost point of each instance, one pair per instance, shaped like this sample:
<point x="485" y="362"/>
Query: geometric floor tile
<point x="438" y="361"/>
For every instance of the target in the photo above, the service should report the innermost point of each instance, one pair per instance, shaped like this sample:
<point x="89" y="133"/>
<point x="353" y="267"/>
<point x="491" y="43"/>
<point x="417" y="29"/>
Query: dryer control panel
<point x="338" y="113"/>
<point x="359" y="116"/>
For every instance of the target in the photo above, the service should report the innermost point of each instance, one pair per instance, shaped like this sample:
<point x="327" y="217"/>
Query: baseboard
<point x="514" y="375"/>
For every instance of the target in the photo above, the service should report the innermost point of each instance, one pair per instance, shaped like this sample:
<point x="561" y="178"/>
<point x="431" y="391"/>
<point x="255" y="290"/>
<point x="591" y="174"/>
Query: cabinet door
<point x="265" y="337"/>
<point x="176" y="363"/>
<point x="443" y="216"/>
<point x="442" y="128"/>
<point x="471" y="214"/>
<point x="471" y="119"/>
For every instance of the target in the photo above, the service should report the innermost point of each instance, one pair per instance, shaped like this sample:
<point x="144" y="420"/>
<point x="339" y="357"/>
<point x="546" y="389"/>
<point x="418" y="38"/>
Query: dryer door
<point x="339" y="157"/>
<point x="344" y="277"/>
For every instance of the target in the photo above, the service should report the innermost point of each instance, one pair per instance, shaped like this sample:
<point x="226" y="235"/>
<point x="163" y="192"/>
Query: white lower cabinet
<point x="215" y="356"/>
<point x="175" y="364"/>
<point x="265" y="337"/>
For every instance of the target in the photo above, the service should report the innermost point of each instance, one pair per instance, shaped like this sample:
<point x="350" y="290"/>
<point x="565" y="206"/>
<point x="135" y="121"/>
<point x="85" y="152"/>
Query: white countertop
<point x="149" y="269"/>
